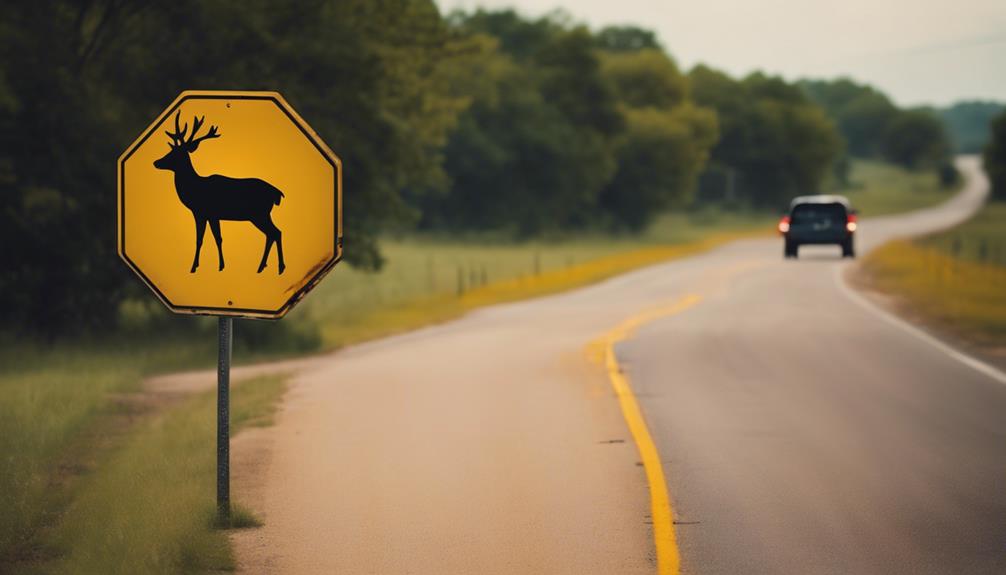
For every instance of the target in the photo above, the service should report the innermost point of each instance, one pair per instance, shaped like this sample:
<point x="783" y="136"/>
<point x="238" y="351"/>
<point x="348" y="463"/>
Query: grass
<point x="43" y="409"/>
<point x="879" y="189"/>
<point x="150" y="508"/>
<point x="945" y="278"/>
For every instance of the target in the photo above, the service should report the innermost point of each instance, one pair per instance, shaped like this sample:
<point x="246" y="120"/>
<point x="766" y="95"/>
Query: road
<point x="799" y="431"/>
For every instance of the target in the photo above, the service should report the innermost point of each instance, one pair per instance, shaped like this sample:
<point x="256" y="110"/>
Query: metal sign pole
<point x="225" y="336"/>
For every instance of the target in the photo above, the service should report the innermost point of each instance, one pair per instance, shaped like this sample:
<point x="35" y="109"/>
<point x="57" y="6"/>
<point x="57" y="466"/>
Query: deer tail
<point x="279" y="197"/>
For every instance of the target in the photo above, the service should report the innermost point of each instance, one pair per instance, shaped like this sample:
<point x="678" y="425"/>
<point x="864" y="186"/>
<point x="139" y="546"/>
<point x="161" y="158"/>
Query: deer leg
<point x="200" y="232"/>
<point x="264" y="228"/>
<point x="215" y="228"/>
<point x="278" y="237"/>
<point x="265" y="253"/>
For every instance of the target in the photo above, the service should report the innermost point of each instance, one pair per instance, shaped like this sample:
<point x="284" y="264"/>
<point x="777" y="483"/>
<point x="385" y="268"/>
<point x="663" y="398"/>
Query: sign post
<point x="249" y="168"/>
<point x="225" y="336"/>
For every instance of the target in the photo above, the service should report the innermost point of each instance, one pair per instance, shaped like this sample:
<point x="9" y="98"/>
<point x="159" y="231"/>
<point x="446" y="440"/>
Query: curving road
<point x="807" y="435"/>
<point x="800" y="431"/>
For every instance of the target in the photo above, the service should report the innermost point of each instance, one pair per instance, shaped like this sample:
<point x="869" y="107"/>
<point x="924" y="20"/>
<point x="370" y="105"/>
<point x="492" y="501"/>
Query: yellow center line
<point x="668" y="558"/>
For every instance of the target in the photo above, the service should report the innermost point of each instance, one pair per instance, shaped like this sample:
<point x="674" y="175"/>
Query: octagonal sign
<point x="230" y="204"/>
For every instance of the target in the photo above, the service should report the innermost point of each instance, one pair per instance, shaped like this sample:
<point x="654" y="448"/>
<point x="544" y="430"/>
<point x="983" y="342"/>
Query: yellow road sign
<point x="244" y="172"/>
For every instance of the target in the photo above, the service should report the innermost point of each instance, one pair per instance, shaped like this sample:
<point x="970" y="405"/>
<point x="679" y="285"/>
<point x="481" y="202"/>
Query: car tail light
<point x="850" y="222"/>
<point x="784" y="225"/>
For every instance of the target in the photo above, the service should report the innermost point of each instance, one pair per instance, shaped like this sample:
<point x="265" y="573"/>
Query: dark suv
<point x="819" y="220"/>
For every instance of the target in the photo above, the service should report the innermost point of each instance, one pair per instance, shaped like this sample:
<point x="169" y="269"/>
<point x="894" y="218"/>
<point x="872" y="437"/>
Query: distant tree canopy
<point x="995" y="156"/>
<point x="567" y="130"/>
<point x="626" y="39"/>
<point x="860" y="112"/>
<point x="968" y="124"/>
<point x="916" y="139"/>
<point x="873" y="127"/>
<point x="774" y="142"/>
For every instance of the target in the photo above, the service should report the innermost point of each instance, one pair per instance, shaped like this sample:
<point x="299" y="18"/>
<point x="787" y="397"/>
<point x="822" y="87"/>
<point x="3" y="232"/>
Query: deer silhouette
<point x="215" y="198"/>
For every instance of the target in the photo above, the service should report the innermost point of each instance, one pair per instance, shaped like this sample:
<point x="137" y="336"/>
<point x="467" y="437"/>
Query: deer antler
<point x="193" y="141"/>
<point x="178" y="137"/>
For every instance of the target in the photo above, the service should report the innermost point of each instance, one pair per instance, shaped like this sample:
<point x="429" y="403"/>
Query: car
<point x="820" y="219"/>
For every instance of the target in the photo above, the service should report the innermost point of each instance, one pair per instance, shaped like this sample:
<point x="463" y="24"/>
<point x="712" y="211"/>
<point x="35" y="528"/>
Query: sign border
<point x="305" y="129"/>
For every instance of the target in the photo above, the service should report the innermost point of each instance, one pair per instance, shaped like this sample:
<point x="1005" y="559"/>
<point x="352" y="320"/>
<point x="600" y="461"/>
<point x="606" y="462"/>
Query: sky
<point x="917" y="51"/>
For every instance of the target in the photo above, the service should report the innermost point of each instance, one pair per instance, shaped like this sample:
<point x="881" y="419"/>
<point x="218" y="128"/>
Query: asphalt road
<point x="800" y="432"/>
<point x="806" y="435"/>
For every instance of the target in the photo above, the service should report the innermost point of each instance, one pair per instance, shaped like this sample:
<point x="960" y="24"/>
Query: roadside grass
<point x="879" y="189"/>
<point x="150" y="507"/>
<point x="961" y="293"/>
<point x="42" y="408"/>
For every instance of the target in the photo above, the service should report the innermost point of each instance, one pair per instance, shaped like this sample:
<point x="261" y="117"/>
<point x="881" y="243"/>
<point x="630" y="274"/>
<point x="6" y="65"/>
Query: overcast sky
<point x="917" y="51"/>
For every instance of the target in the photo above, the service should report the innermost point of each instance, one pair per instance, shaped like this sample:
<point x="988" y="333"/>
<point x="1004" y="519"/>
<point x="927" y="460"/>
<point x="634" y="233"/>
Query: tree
<point x="995" y="157"/>
<point x="916" y="140"/>
<point x="645" y="78"/>
<point x="626" y="39"/>
<point x="571" y="79"/>
<point x="968" y="124"/>
<point x="774" y="141"/>
<point x="861" y="112"/>
<point x="517" y="160"/>
<point x="659" y="157"/>
<point x="518" y="37"/>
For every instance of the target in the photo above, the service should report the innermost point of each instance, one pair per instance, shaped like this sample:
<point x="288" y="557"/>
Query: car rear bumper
<point x="810" y="239"/>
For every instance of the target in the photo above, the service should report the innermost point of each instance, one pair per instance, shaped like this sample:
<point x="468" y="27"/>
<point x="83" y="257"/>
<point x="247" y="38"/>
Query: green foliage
<point x="547" y="142"/>
<point x="995" y="157"/>
<point x="774" y="141"/>
<point x="515" y="159"/>
<point x="949" y="175"/>
<point x="571" y="80"/>
<point x="861" y="112"/>
<point x="916" y="139"/>
<point x="873" y="127"/>
<point x="519" y="37"/>
<point x="659" y="158"/>
<point x="645" y="78"/>
<point x="626" y="39"/>
<point x="968" y="124"/>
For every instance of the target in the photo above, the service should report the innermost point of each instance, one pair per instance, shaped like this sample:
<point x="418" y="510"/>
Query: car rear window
<point x="812" y="213"/>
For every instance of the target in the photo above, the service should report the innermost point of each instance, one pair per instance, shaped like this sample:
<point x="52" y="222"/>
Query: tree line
<point x="873" y="127"/>
<point x="484" y="120"/>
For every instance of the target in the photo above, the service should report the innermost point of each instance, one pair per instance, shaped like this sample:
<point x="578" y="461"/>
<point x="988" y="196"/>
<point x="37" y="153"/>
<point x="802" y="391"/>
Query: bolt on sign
<point x="230" y="204"/>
